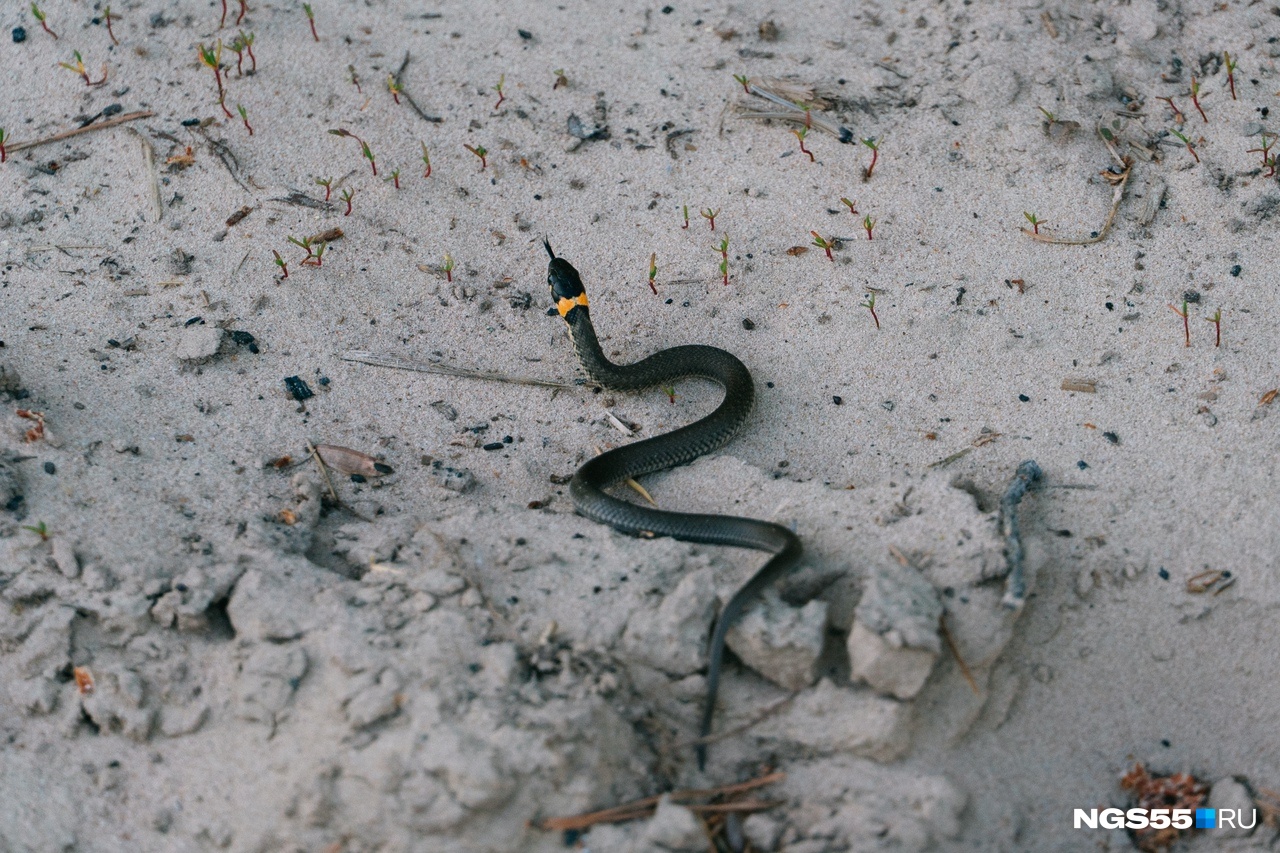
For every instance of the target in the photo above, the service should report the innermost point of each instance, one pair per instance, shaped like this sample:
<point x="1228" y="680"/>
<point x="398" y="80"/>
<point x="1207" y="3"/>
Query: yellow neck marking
<point x="567" y="303"/>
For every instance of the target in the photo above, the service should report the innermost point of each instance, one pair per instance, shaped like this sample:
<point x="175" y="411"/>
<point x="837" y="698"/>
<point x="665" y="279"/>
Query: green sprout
<point x="723" y="249"/>
<point x="744" y="80"/>
<point x="426" y="159"/>
<point x="653" y="272"/>
<point x="502" y="78"/>
<point x="870" y="305"/>
<point x="480" y="151"/>
<point x="875" y="155"/>
<point x="801" y="133"/>
<point x="395" y="178"/>
<point x="1195" y="98"/>
<point x="395" y="87"/>
<point x="39" y="16"/>
<point x="78" y="68"/>
<point x="685" y="227"/>
<point x="327" y="183"/>
<point x="311" y="19"/>
<point x="710" y="215"/>
<point x="244" y="117"/>
<point x="1231" y="73"/>
<point x="853" y="206"/>
<point x="448" y="266"/>
<point x="1186" y="323"/>
<point x="347" y="194"/>
<point x="561" y="80"/>
<point x="39" y="529"/>
<point x="1035" y="222"/>
<point x="365" y="150"/>
<point x="4" y="155"/>
<point x="823" y="244"/>
<point x="868" y="223"/>
<point x="280" y="263"/>
<point x="1187" y="142"/>
<point x="1216" y="320"/>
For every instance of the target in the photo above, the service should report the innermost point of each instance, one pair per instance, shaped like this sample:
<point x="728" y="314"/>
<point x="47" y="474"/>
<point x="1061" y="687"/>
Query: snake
<point x="589" y="487"/>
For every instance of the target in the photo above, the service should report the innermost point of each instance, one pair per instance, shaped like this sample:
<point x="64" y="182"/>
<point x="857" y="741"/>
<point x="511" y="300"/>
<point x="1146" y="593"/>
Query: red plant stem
<point x="875" y="155"/>
<point x="501" y="98"/>
<point x="312" y="22"/>
<point x="1231" y="81"/>
<point x="45" y="25"/>
<point x="223" y="20"/>
<point x="653" y="288"/>
<point x="222" y="102"/>
<point x="1193" y="152"/>
<point x="804" y="150"/>
<point x="253" y="59"/>
<point x="239" y="64"/>
<point x="874" y="317"/>
<point x="4" y="155"/>
<point x="1195" y="100"/>
<point x="1177" y="113"/>
<point x="248" y="127"/>
<point x="1217" y="337"/>
<point x="244" y="10"/>
<point x="726" y="284"/>
<point x="348" y="201"/>
<point x="114" y="40"/>
<point x="395" y="179"/>
<point x="448" y="275"/>
<point x="869" y="227"/>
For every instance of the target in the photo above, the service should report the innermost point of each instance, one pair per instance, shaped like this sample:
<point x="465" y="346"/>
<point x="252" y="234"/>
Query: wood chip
<point x="1086" y="386"/>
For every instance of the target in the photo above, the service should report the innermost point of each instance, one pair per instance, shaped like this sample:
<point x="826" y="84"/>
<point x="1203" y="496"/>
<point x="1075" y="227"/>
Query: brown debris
<point x="1176" y="791"/>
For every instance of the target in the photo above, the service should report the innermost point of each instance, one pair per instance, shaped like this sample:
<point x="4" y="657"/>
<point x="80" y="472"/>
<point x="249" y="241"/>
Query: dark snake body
<point x="591" y="482"/>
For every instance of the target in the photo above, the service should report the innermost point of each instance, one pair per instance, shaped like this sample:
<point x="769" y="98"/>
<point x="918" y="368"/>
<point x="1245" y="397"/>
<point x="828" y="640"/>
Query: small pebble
<point x="1024" y="398"/>
<point x="19" y="35"/>
<point x="494" y="445"/>
<point x="1082" y="464"/>
<point x="1111" y="437"/>
<point x="837" y="400"/>
<point x="524" y="34"/>
<point x="1236" y="270"/>
<point x="1163" y="573"/>
<point x="50" y="468"/>
<point x="748" y="324"/>
<point x="299" y="389"/>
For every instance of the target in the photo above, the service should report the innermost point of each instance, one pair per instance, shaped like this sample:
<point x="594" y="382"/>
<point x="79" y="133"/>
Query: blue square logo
<point x="1206" y="818"/>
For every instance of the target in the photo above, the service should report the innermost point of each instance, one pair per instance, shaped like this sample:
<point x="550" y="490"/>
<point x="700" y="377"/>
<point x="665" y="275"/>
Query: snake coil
<point x="681" y="446"/>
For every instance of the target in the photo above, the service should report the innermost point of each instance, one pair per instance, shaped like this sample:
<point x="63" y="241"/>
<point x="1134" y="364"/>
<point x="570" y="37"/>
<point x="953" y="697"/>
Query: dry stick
<point x="399" y="363"/>
<point x="1117" y="196"/>
<point x="747" y="726"/>
<point x="955" y="653"/>
<point x="638" y="808"/>
<point x="102" y="125"/>
<point x="1027" y="475"/>
<point x="324" y="469"/>
<point x="409" y="98"/>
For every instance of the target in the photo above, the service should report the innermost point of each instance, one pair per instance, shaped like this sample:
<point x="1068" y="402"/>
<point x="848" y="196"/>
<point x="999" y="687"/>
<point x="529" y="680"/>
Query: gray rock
<point x="674" y="827"/>
<point x="198" y="343"/>
<point x="1227" y="793"/>
<point x="673" y="636"/>
<point x="830" y="719"/>
<point x="781" y="642"/>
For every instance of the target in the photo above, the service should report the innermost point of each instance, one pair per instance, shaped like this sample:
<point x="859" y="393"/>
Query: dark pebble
<point x="1236" y="270"/>
<point x="837" y="400"/>
<point x="524" y="34"/>
<point x="111" y="109"/>
<point x="667" y="10"/>
<point x="494" y="445"/>
<point x="1165" y="742"/>
<point x="383" y="468"/>
<point x="19" y="35"/>
<point x="1163" y="573"/>
<point x="190" y="122"/>
<point x="244" y="339"/>
<point x="1111" y="437"/>
<point x="324" y="380"/>
<point x="506" y="439"/>
<point x="1024" y="398"/>
<point x="748" y="324"/>
<point x="669" y="301"/>
<point x="1192" y="296"/>
<point x="50" y="468"/>
<point x="299" y="389"/>
<point x="194" y="320"/>
<point x="358" y="478"/>
<point x="1082" y="464"/>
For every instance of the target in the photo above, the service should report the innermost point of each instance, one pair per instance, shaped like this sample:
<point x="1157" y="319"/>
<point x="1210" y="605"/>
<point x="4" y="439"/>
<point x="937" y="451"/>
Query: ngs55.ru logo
<point x="1139" y="818"/>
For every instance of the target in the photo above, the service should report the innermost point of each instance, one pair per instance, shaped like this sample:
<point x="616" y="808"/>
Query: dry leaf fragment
<point x="1086" y="386"/>
<point x="84" y="680"/>
<point x="347" y="461"/>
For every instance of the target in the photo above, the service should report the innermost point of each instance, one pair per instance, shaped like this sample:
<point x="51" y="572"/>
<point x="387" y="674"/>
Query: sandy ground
<point x="451" y="653"/>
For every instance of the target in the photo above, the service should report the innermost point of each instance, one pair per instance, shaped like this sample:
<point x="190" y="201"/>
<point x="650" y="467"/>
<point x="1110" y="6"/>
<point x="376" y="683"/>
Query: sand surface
<point x="448" y="652"/>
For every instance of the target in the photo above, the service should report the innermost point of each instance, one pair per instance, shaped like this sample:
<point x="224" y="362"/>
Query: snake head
<point x="566" y="285"/>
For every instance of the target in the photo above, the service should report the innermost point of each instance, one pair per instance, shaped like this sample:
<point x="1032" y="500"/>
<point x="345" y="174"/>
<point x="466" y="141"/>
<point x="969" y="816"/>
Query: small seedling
<point x="304" y="243"/>
<point x="1195" y="98"/>
<point x="39" y="16"/>
<point x="868" y="223"/>
<point x="685" y="208"/>
<point x="1050" y="117"/>
<point x="247" y="40"/>
<point x="347" y="194"/>
<point x="1216" y="320"/>
<point x="653" y="272"/>
<point x="394" y="179"/>
<point x="244" y="10"/>
<point x="852" y="205"/>
<point x="311" y="19"/>
<point x="448" y="267"/>
<point x="1186" y="324"/>
<point x="723" y="249"/>
<point x="561" y="80"/>
<point x="875" y="155"/>
<point x="244" y="117"/>
<point x="365" y="150"/>
<point x="823" y="244"/>
<point x="870" y="305"/>
<point x="40" y="530"/>
<point x="79" y="68"/>
<point x="480" y="151"/>
<point x="319" y="255"/>
<point x="801" y="133"/>
<point x="212" y="58"/>
<point x="284" y="268"/>
<point x="355" y="81"/>
<point x="237" y="45"/>
<point x="670" y="391"/>
<point x="108" y="18"/>
<point x="502" y="78"/>
<point x="744" y="80"/>
<point x="1178" y="117"/>
<point x="4" y="155"/>
<point x="1034" y="220"/>
<point x="426" y="159"/>
<point x="1268" y="159"/>
<point x="327" y="183"/>
<point x="1187" y="142"/>
<point x="709" y="215"/>
<point x="1231" y="73"/>
<point x="394" y="87"/>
